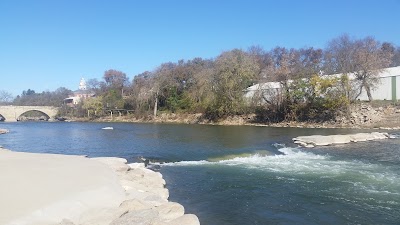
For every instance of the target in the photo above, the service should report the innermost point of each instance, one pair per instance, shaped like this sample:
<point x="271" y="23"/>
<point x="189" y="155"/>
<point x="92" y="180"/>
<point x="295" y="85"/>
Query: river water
<point x="239" y="174"/>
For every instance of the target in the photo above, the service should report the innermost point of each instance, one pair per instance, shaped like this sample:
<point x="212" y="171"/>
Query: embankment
<point x="62" y="189"/>
<point x="362" y="116"/>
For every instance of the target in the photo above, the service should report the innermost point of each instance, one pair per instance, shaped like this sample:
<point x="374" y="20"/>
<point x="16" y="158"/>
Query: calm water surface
<point x="242" y="175"/>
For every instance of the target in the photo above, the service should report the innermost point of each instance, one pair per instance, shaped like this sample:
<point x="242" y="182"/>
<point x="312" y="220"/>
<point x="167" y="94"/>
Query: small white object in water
<point x="108" y="128"/>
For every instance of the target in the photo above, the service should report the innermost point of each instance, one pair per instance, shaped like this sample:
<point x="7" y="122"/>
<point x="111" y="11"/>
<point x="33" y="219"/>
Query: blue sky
<point x="46" y="44"/>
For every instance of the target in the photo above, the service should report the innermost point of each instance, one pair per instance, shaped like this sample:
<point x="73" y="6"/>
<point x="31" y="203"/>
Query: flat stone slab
<point x="46" y="188"/>
<point x="323" y="140"/>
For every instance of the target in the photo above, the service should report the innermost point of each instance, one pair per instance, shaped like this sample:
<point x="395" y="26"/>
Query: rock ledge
<point x="321" y="140"/>
<point x="146" y="199"/>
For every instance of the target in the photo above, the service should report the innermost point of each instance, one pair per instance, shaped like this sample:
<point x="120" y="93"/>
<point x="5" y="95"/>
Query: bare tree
<point x="93" y="84"/>
<point x="309" y="62"/>
<point x="370" y="59"/>
<point x="396" y="57"/>
<point x="116" y="79"/>
<point x="339" y="55"/>
<point x="282" y="65"/>
<point x="163" y="78"/>
<point x="5" y="97"/>
<point x="365" y="58"/>
<point x="141" y="91"/>
<point x="261" y="57"/>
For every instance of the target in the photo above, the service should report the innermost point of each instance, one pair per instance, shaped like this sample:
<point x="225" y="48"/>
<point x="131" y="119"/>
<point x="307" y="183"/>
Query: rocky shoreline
<point x="53" y="189"/>
<point x="146" y="198"/>
<point x="362" y="116"/>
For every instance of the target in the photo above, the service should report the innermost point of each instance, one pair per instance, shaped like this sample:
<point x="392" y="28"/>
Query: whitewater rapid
<point x="363" y="180"/>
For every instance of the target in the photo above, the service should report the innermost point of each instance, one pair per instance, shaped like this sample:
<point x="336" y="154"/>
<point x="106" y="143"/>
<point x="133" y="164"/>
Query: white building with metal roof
<point x="388" y="87"/>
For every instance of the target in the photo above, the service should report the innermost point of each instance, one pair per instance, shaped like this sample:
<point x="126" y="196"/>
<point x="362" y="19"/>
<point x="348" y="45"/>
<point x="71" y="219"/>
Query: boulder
<point x="153" y="199"/>
<point x="139" y="217"/>
<point x="187" y="219"/>
<point x="146" y="198"/>
<point x="154" y="188"/>
<point x="170" y="211"/>
<point x="156" y="199"/>
<point x="101" y="217"/>
<point x="144" y="177"/>
<point x="134" y="205"/>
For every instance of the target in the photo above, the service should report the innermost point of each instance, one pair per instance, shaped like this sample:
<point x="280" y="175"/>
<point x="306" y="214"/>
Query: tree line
<point x="216" y="87"/>
<point x="31" y="98"/>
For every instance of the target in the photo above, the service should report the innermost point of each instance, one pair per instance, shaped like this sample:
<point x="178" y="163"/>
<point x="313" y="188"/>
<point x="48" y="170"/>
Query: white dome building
<point x="82" y="84"/>
<point x="79" y="95"/>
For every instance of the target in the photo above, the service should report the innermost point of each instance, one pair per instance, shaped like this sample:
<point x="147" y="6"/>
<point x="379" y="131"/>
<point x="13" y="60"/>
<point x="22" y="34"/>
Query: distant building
<point x="387" y="88"/>
<point x="79" y="95"/>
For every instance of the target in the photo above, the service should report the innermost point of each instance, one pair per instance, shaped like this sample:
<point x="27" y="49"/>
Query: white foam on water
<point x="293" y="160"/>
<point x="365" y="177"/>
<point x="394" y="135"/>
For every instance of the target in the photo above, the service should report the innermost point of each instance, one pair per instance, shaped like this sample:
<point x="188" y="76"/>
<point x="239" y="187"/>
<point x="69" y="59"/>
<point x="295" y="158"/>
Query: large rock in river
<point x="321" y="140"/>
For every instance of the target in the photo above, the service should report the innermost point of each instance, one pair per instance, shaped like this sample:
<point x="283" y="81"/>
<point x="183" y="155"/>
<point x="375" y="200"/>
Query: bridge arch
<point x="32" y="115"/>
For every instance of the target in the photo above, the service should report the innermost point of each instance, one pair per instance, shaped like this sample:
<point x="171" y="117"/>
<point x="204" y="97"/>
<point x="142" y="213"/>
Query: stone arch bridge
<point x="12" y="113"/>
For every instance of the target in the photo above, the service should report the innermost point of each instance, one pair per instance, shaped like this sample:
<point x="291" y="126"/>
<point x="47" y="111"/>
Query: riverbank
<point x="64" y="189"/>
<point x="362" y="116"/>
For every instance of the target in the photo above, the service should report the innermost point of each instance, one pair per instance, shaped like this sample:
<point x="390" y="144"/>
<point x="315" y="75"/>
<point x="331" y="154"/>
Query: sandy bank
<point x="61" y="189"/>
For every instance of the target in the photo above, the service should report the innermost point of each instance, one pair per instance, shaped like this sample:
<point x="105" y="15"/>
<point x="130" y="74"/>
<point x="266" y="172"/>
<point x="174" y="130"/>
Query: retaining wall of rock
<point x="146" y="200"/>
